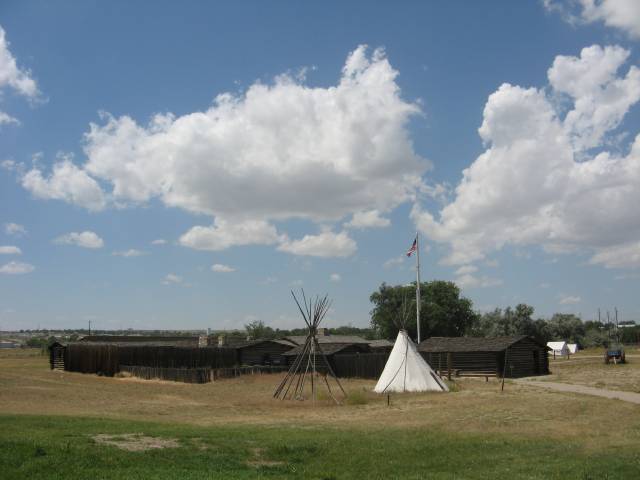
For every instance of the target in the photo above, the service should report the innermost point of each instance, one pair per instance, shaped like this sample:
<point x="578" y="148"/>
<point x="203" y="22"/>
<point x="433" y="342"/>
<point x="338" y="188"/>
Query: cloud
<point x="466" y="270"/>
<point x="84" y="239"/>
<point x="468" y="280"/>
<point x="618" y="256"/>
<point x="15" y="229"/>
<point x="568" y="299"/>
<point x="621" y="14"/>
<point x="277" y="151"/>
<point x="546" y="177"/>
<point x="13" y="77"/>
<point x="132" y="252"/>
<point x="16" y="268"/>
<point x="66" y="182"/>
<point x="172" y="278"/>
<point x="394" y="262"/>
<point x="335" y="277"/>
<point x="223" y="234"/>
<point x="10" y="250"/>
<point x="370" y="219"/>
<point x="159" y="241"/>
<point x="326" y="244"/>
<point x="220" y="268"/>
<point x="544" y="285"/>
<point x="6" y="119"/>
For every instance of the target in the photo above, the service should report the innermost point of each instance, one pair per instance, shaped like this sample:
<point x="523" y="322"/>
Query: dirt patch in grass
<point x="258" y="459"/>
<point x="135" y="442"/>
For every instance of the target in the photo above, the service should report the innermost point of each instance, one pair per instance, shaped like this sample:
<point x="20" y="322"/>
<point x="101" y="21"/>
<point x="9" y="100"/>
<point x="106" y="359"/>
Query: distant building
<point x="9" y="344"/>
<point x="513" y="356"/>
<point x="380" y="346"/>
<point x="263" y="352"/>
<point x="559" y="349"/>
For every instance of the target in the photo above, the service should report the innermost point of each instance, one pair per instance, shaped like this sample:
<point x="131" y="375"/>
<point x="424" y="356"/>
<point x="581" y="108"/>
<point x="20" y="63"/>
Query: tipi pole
<point x="330" y="369"/>
<point x="418" y="285"/>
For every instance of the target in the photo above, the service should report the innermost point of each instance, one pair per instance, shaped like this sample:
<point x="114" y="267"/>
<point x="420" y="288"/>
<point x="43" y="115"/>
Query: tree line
<point x="444" y="312"/>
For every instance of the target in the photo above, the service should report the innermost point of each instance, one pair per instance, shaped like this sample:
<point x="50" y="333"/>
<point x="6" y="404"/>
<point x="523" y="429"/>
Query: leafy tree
<point x="512" y="321"/>
<point x="594" y="338"/>
<point x="258" y="330"/>
<point x="443" y="312"/>
<point x="568" y="327"/>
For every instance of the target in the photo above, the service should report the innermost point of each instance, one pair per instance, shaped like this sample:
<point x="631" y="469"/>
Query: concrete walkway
<point x="598" y="392"/>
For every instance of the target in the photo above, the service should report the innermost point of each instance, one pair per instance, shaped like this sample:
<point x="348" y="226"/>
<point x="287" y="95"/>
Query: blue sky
<point x="266" y="146"/>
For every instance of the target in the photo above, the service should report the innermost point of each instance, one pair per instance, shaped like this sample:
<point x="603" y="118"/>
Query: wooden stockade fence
<point x="196" y="375"/>
<point x="105" y="359"/>
<point x="186" y="375"/>
<point x="362" y="365"/>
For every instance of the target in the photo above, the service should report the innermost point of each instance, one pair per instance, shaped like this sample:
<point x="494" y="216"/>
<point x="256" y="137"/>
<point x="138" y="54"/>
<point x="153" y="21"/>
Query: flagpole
<point x="418" y="285"/>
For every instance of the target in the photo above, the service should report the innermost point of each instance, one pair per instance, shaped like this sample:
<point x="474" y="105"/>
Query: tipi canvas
<point x="407" y="371"/>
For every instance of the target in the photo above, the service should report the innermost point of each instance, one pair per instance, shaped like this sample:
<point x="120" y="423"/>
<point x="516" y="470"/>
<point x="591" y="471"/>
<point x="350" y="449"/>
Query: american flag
<point x="413" y="248"/>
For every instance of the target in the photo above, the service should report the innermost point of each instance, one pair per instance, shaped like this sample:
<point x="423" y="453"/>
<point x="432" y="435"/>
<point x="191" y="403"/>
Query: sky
<point x="185" y="166"/>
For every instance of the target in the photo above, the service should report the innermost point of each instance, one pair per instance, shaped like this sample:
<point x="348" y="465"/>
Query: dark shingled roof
<point x="251" y="343"/>
<point x="380" y="343"/>
<point x="155" y="339"/>
<point x="471" y="344"/>
<point x="327" y="348"/>
<point x="322" y="339"/>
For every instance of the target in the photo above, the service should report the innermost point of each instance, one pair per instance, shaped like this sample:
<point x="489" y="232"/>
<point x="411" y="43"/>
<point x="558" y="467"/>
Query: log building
<point x="512" y="357"/>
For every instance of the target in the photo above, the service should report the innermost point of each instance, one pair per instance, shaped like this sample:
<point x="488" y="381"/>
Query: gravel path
<point x="598" y="392"/>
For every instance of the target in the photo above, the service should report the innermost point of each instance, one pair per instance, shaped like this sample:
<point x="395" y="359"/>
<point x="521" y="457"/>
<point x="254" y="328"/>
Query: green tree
<point x="443" y="312"/>
<point x="258" y="330"/>
<point x="512" y="321"/>
<point x="566" y="326"/>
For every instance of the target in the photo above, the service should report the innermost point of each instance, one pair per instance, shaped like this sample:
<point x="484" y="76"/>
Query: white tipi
<point x="407" y="371"/>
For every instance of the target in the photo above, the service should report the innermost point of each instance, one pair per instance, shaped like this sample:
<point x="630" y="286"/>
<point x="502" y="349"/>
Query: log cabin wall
<point x="263" y="353"/>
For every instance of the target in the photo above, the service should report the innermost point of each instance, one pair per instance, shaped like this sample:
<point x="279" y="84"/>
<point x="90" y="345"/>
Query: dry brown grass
<point x="27" y="386"/>
<point x="588" y="368"/>
<point x="135" y="442"/>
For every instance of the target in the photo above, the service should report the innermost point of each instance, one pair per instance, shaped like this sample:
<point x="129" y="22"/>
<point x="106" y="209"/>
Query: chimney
<point x="222" y="341"/>
<point x="322" y="332"/>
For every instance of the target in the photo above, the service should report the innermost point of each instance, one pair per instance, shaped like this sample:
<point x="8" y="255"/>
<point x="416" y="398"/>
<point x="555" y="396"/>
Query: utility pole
<point x="89" y="327"/>
<point x="418" y="286"/>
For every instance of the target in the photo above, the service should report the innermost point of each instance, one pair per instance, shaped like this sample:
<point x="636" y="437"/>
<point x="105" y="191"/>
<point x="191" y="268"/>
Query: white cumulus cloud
<point x="370" y="219"/>
<point x="17" y="268"/>
<point x="220" y="268"/>
<point x="132" y="252"/>
<point x="335" y="277"/>
<point x="172" y="278"/>
<point x="14" y="229"/>
<point x="568" y="299"/>
<point x="469" y="280"/>
<point x="85" y="239"/>
<point x="159" y="241"/>
<point x="66" y="182"/>
<point x="620" y="14"/>
<point x="223" y="234"/>
<point x="541" y="181"/>
<point x="325" y="244"/>
<point x="13" y="77"/>
<point x="10" y="250"/>
<point x="275" y="152"/>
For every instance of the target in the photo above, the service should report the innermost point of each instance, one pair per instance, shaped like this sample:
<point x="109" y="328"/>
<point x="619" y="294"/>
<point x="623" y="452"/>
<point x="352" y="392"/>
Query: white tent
<point x="558" y="348"/>
<point x="407" y="371"/>
<point x="573" y="347"/>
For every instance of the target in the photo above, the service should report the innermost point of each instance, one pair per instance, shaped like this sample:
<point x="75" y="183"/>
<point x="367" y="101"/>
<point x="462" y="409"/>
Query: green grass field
<point x="64" y="425"/>
<point x="64" y="448"/>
